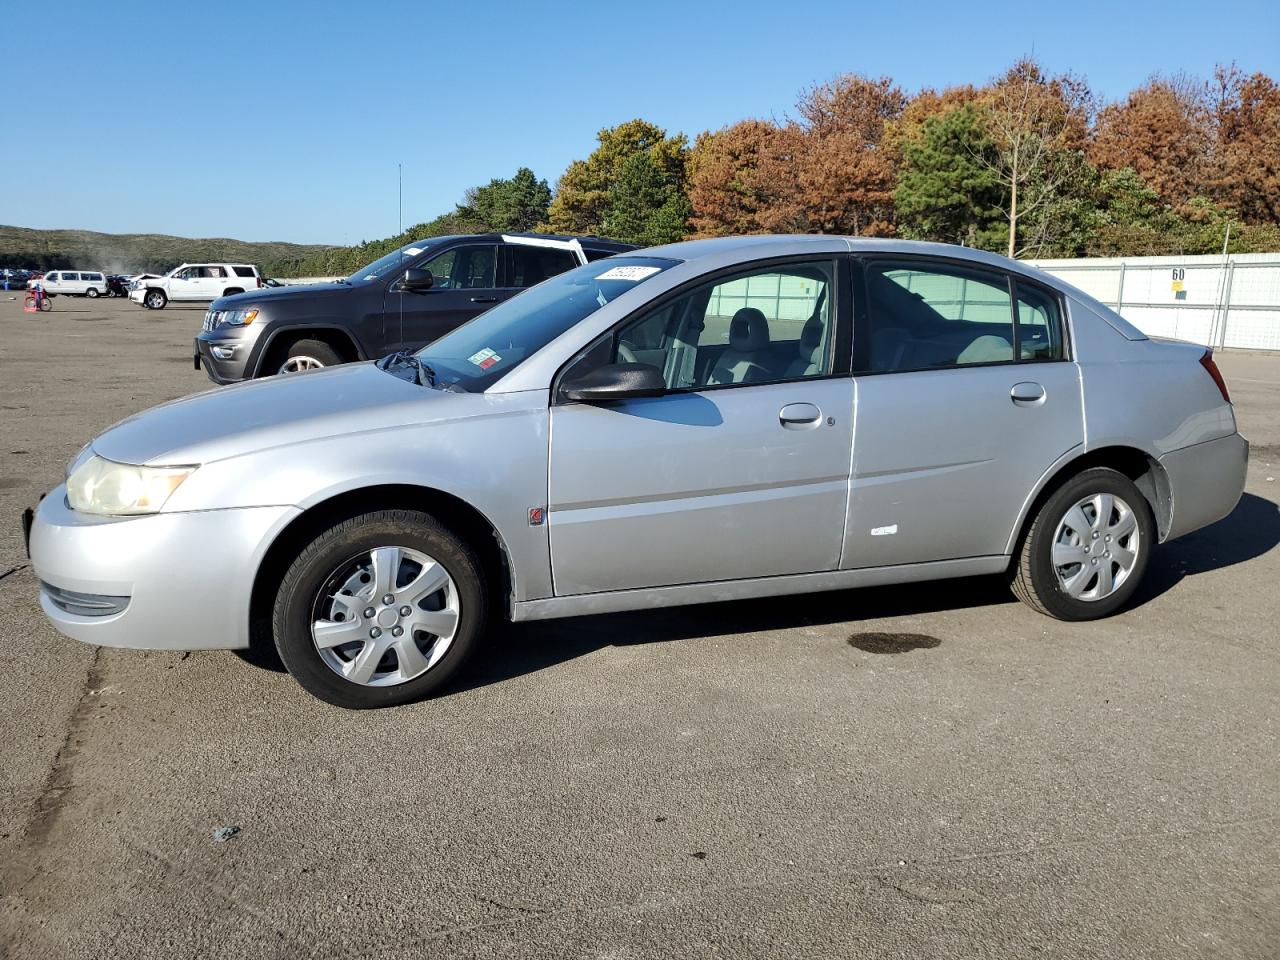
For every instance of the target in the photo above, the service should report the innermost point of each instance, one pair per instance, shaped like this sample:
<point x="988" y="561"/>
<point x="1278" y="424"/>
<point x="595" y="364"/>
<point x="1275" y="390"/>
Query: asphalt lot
<point x="926" y="771"/>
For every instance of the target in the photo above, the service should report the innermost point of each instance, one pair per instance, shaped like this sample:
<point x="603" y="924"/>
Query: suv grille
<point x="212" y="318"/>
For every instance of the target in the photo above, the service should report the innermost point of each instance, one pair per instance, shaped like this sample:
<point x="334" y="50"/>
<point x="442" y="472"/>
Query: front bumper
<point x="1206" y="481"/>
<point x="138" y="295"/>
<point x="225" y="359"/>
<point x="169" y="581"/>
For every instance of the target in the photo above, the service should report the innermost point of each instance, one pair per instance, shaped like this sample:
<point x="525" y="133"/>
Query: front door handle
<point x="484" y="299"/>
<point x="1027" y="392"/>
<point x="795" y="416"/>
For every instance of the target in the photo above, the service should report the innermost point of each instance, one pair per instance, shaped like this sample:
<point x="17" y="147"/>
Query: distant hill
<point x="154" y="252"/>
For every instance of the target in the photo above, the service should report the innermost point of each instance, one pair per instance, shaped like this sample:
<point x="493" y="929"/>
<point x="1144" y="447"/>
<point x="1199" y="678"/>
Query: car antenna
<point x="400" y="235"/>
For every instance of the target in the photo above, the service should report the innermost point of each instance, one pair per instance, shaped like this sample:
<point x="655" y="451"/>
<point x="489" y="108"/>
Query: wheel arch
<point x="1139" y="466"/>
<point x="452" y="511"/>
<point x="279" y="340"/>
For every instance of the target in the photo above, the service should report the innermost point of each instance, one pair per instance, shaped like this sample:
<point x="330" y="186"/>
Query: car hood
<point x="281" y="294"/>
<point x="280" y="411"/>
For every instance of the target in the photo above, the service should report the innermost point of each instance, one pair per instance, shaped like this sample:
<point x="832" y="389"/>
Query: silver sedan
<point x="704" y="421"/>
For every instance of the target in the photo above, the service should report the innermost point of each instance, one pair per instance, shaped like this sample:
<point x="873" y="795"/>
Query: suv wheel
<point x="156" y="299"/>
<point x="380" y="610"/>
<point x="231" y="291"/>
<point x="1085" y="552"/>
<point x="92" y="293"/>
<point x="308" y="355"/>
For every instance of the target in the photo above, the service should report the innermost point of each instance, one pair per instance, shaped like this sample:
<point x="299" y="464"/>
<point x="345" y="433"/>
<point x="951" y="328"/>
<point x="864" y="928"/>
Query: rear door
<point x="466" y="278"/>
<point x="713" y="481"/>
<point x="965" y="397"/>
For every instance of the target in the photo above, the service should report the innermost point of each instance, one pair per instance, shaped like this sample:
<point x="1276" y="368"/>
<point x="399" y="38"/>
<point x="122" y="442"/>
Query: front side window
<point x="925" y="316"/>
<point x="761" y="326"/>
<point x="532" y="265"/>
<point x="464" y="268"/>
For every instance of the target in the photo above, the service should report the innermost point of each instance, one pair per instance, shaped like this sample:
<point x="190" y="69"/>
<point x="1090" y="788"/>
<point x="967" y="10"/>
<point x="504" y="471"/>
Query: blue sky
<point x="285" y="121"/>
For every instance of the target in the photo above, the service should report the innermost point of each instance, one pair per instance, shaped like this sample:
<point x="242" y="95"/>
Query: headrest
<point x="986" y="349"/>
<point x="811" y="335"/>
<point x="748" y="331"/>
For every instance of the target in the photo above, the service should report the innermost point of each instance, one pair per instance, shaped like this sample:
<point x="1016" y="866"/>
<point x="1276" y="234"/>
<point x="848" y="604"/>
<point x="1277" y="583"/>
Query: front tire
<point x="92" y="293"/>
<point x="156" y="299"/>
<point x="382" y="609"/>
<point x="1087" y="548"/>
<point x="305" y="355"/>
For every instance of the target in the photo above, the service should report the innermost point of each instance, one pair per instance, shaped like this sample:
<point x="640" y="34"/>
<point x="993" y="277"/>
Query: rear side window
<point x="924" y="316"/>
<point x="532" y="265"/>
<point x="243" y="271"/>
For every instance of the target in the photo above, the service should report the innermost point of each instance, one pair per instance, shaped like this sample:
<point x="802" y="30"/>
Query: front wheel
<point x="308" y="355"/>
<point x="46" y="304"/>
<point x="380" y="610"/>
<point x="156" y="299"/>
<point x="1087" y="549"/>
<point x="92" y="293"/>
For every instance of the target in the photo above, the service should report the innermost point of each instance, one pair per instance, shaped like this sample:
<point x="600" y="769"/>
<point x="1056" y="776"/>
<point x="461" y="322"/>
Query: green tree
<point x="646" y="207"/>
<point x="588" y="189"/>
<point x="508" y="206"/>
<point x="945" y="191"/>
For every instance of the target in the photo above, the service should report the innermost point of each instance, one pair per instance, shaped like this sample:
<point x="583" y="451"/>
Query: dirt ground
<point x="926" y="771"/>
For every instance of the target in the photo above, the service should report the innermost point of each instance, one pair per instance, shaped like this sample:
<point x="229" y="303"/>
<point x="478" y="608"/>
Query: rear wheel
<point x="156" y="299"/>
<point x="308" y="355"/>
<point x="379" y="610"/>
<point x="1087" y="549"/>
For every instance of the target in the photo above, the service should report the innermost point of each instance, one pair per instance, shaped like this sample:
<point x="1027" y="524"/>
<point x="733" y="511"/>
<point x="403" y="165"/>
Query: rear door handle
<point x="484" y="299"/>
<point x="1027" y="392"/>
<point x="795" y="416"/>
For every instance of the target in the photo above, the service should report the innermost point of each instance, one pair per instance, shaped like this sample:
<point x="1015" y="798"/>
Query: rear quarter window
<point x="243" y="271"/>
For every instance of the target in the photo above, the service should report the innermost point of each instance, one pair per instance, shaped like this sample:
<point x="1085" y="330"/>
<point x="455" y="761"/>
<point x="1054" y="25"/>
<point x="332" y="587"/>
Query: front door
<point x="965" y="398"/>
<point x="465" y="286"/>
<point x="186" y="284"/>
<point x="740" y="471"/>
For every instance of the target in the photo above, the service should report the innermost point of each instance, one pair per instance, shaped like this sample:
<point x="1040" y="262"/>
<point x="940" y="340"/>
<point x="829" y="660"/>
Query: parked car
<point x="376" y="310"/>
<point x="740" y="417"/>
<point x="195" y="282"/>
<point x="75" y="283"/>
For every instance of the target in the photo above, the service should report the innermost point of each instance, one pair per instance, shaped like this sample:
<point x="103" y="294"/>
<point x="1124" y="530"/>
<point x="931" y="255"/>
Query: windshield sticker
<point x="413" y="251"/>
<point x="628" y="273"/>
<point x="485" y="359"/>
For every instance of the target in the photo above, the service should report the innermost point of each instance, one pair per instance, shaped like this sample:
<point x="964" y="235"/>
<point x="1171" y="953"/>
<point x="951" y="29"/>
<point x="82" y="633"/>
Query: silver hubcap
<point x="155" y="300"/>
<point x="385" y="617"/>
<point x="298" y="364"/>
<point x="1096" y="547"/>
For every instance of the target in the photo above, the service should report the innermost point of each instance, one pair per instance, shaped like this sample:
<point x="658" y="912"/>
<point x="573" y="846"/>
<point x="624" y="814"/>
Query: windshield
<point x="475" y="355"/>
<point x="385" y="266"/>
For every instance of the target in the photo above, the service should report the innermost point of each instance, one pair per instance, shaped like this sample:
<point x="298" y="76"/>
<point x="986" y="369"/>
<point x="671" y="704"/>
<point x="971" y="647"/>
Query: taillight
<point x="1206" y="361"/>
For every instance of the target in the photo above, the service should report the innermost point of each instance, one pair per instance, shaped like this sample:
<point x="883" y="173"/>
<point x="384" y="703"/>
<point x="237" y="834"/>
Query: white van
<point x="76" y="283"/>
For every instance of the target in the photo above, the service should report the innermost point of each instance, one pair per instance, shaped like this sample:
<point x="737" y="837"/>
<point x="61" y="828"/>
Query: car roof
<point x="763" y="246"/>
<point x="599" y="243"/>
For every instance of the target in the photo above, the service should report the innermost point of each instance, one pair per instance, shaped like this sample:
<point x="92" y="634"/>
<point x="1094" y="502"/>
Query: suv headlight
<point x="96" y="485"/>
<point x="239" y="318"/>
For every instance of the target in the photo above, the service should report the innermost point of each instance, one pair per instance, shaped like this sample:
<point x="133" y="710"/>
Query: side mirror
<point x="417" y="279"/>
<point x="616" y="381"/>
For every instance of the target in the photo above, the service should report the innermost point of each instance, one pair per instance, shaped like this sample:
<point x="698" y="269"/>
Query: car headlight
<point x="239" y="318"/>
<point x="100" y="486"/>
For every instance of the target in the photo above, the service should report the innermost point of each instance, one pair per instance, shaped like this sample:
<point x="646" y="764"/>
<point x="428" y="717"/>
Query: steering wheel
<point x="626" y="354"/>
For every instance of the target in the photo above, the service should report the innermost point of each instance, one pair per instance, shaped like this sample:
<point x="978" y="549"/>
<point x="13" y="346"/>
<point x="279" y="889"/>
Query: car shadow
<point x="1249" y="531"/>
<point x="517" y="649"/>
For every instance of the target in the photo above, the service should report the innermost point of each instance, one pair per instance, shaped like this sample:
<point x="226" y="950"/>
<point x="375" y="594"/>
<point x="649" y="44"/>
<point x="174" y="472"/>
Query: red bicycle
<point x="37" y="301"/>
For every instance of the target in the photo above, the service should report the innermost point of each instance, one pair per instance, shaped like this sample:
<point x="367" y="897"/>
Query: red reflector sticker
<point x="536" y="516"/>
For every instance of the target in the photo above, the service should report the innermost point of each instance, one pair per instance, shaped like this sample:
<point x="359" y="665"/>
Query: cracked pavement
<point x="772" y="778"/>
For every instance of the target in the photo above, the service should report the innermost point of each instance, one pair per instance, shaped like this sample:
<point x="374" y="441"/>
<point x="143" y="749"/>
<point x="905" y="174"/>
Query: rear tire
<point x="305" y="355"/>
<point x="349" y="659"/>
<point x="155" y="300"/>
<point x="1087" y="548"/>
<point x="231" y="291"/>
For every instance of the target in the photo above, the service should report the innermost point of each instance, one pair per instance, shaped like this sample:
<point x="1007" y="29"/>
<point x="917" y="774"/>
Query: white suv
<point x="196" y="281"/>
<point x="75" y="283"/>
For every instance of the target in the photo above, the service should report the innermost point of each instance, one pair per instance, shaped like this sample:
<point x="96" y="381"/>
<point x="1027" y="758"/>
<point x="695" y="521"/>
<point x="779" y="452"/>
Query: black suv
<point x="401" y="302"/>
